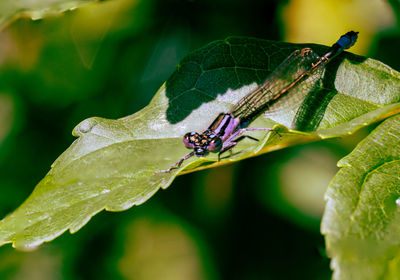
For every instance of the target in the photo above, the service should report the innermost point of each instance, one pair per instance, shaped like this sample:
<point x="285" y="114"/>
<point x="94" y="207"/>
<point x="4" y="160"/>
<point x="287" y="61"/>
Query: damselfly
<point x="297" y="73"/>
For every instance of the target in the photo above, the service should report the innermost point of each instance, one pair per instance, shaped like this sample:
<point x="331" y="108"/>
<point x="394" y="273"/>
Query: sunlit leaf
<point x="362" y="216"/>
<point x="111" y="165"/>
<point x="10" y="9"/>
<point x="166" y="243"/>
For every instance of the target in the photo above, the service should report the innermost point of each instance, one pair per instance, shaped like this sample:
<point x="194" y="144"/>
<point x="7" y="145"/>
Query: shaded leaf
<point x="111" y="165"/>
<point x="362" y="215"/>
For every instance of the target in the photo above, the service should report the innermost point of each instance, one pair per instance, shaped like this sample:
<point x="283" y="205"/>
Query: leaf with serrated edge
<point x="362" y="216"/>
<point x="111" y="165"/>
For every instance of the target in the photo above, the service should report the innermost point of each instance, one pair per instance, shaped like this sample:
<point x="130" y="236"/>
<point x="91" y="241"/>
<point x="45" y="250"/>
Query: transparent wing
<point x="285" y="110"/>
<point x="286" y="87"/>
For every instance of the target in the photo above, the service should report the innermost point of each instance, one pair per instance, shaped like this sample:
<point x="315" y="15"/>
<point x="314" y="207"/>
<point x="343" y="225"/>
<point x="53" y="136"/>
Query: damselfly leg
<point x="238" y="136"/>
<point x="177" y="164"/>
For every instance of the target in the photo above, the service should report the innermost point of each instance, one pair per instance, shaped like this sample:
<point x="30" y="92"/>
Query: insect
<point x="297" y="73"/>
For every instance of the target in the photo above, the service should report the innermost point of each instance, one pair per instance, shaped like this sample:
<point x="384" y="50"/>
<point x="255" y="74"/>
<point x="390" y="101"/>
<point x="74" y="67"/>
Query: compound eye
<point x="215" y="144"/>
<point x="189" y="139"/>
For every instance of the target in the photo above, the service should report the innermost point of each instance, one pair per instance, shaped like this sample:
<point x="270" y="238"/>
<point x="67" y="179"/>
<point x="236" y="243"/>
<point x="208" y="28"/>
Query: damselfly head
<point x="214" y="143"/>
<point x="190" y="139"/>
<point x="203" y="143"/>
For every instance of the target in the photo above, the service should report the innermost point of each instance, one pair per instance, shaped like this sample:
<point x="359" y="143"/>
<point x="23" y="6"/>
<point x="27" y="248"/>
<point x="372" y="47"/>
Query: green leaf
<point x="111" y="165"/>
<point x="10" y="9"/>
<point x="362" y="215"/>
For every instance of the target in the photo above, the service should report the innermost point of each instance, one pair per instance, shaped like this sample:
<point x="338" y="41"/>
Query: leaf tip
<point x="85" y="126"/>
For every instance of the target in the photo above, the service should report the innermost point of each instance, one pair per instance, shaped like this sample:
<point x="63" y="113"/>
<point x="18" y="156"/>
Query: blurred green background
<point x="257" y="219"/>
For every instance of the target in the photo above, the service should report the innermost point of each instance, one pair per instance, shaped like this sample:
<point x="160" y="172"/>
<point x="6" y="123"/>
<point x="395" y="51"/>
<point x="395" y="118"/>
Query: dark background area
<point x="256" y="219"/>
